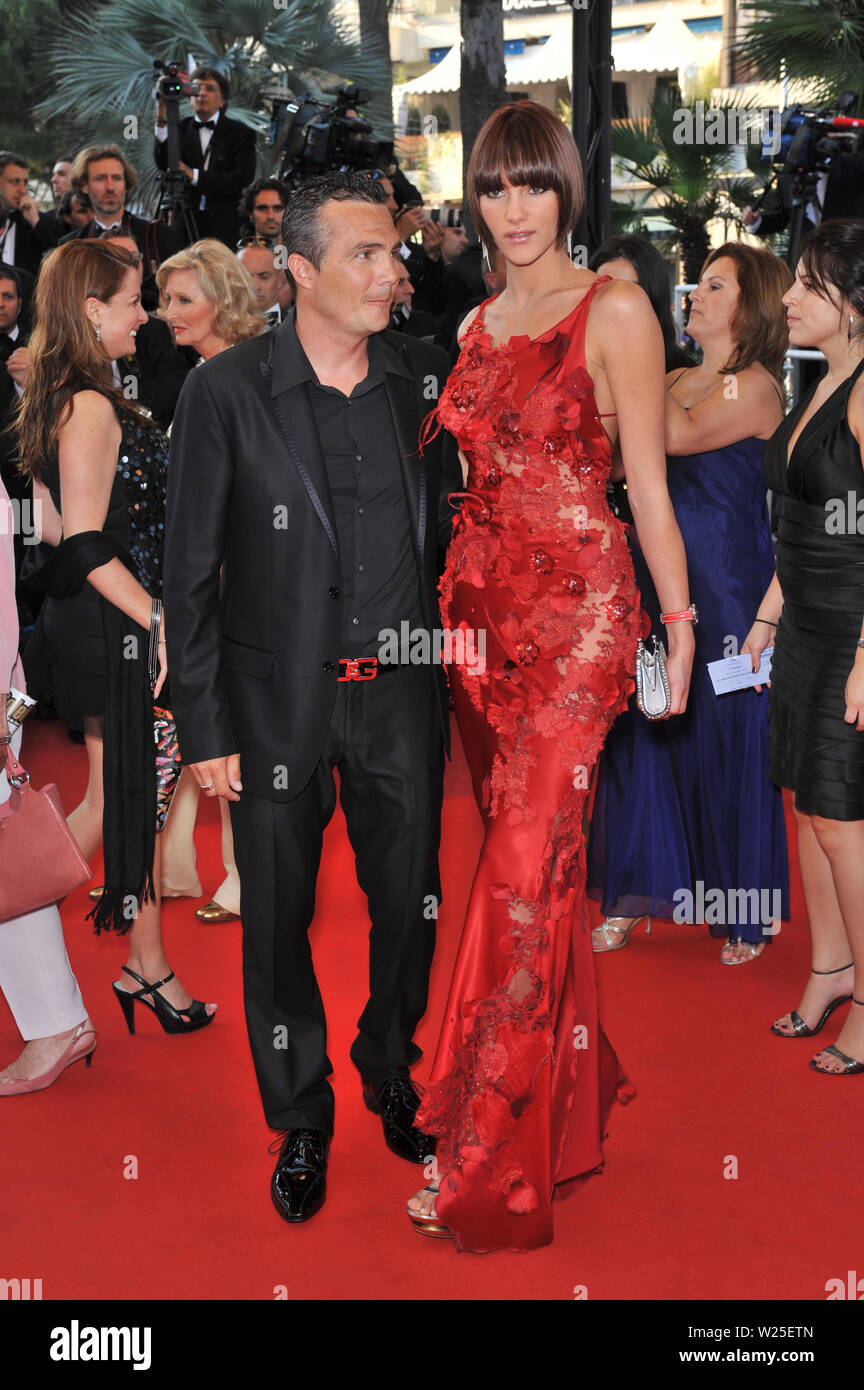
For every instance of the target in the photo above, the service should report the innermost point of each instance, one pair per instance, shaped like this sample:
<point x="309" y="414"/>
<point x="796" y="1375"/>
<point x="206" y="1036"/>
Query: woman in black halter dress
<point x="814" y="613"/>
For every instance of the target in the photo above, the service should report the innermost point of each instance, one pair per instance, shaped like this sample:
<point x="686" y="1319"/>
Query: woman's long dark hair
<point x="65" y="356"/>
<point x="653" y="277"/>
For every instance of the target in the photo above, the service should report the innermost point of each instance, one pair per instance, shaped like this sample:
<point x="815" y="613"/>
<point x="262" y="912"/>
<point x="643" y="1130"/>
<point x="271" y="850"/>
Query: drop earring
<point x="849" y="330"/>
<point x="486" y="258"/>
<point x="570" y="246"/>
<point x="98" y="332"/>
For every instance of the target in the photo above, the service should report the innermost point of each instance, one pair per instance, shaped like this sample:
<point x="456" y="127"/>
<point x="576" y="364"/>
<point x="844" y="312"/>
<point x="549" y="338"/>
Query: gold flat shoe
<point x="215" y="912"/>
<point x="96" y="893"/>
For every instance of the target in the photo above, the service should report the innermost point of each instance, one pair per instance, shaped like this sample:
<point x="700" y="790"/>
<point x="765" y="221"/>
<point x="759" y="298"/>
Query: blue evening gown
<point x="689" y="800"/>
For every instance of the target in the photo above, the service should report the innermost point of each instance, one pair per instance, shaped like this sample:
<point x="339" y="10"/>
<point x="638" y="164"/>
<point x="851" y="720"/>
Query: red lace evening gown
<point x="524" y="1077"/>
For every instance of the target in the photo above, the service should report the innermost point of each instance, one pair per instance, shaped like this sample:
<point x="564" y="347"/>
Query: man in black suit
<point x="25" y="233"/>
<point x="295" y="473"/>
<point x="105" y="176"/>
<point x="217" y="156"/>
<point x="403" y="317"/>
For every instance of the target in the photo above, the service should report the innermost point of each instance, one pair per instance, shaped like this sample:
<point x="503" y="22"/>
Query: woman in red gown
<point x="523" y="1076"/>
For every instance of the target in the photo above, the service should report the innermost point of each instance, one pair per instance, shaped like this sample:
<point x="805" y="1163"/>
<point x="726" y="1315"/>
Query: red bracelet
<point x="689" y="615"/>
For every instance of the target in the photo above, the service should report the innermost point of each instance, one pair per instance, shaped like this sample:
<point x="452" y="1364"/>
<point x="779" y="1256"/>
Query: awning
<point x="668" y="47"/>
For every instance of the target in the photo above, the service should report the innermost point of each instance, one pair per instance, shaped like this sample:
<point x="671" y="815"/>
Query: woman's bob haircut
<point x="526" y="144"/>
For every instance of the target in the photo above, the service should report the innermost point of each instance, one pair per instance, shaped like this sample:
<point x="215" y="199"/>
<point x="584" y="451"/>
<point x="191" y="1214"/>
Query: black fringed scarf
<point x="129" y="765"/>
<point x="129" y="753"/>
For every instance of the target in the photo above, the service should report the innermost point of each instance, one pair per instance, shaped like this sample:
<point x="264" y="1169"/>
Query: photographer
<point x="105" y="177"/>
<point x="425" y="263"/>
<point x="217" y="156"/>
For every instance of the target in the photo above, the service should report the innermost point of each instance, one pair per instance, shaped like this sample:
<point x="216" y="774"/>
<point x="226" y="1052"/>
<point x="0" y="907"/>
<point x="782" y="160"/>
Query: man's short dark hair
<point x="219" y="77"/>
<point x="302" y="233"/>
<point x="247" y="200"/>
<point x="8" y="272"/>
<point x="7" y="157"/>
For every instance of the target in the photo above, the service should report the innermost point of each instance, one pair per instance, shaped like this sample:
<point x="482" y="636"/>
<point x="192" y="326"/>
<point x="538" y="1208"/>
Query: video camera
<point x="808" y="140"/>
<point x="316" y="136"/>
<point x="172" y="84"/>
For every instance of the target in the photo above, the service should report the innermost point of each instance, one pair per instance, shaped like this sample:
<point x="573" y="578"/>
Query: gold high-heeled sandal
<point x="428" y="1224"/>
<point x="601" y="940"/>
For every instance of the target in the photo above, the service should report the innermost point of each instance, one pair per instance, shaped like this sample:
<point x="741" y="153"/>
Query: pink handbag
<point x="40" y="861"/>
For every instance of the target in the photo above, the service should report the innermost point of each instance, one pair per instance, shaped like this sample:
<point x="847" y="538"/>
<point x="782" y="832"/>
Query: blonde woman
<point x="208" y="298"/>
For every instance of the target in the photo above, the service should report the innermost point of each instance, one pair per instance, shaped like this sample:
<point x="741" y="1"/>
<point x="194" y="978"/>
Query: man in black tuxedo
<point x="217" y="156"/>
<point x="105" y="176"/>
<point x="25" y="232"/>
<point x="295" y="472"/>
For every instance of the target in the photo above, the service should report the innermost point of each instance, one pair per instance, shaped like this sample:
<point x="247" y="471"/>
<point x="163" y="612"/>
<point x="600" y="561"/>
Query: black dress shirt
<point x="380" y="587"/>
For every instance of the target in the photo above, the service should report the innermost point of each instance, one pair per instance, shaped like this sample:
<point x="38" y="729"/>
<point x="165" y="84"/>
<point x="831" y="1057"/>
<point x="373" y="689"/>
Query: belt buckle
<point x="353" y="668"/>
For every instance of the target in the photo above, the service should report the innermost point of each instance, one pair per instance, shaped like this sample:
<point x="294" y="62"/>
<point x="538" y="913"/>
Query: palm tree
<point x="817" y="40"/>
<point x="691" y="178"/>
<point x="483" y="86"/>
<point x="102" y="62"/>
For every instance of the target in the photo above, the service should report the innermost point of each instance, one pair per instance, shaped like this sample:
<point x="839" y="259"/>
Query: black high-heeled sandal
<point x="799" y="1027"/>
<point x="851" y="1065"/>
<point x="172" y="1019"/>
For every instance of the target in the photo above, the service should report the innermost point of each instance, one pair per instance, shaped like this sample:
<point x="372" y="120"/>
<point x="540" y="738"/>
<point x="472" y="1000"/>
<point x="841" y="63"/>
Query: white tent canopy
<point x="668" y="47"/>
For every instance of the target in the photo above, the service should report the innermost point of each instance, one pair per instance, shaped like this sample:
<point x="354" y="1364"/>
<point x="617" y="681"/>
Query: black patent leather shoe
<point x="396" y="1100"/>
<point x="299" y="1183"/>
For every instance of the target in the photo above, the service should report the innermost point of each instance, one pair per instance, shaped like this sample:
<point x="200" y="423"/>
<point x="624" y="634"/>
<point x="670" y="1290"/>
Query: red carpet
<point x="662" y="1222"/>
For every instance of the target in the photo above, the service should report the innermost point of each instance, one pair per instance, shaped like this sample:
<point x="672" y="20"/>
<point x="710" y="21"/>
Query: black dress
<point x="819" y="507"/>
<point x="73" y="626"/>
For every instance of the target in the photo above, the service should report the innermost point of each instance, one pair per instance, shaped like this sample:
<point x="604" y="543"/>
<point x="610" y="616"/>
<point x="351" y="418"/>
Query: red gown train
<point x="524" y="1076"/>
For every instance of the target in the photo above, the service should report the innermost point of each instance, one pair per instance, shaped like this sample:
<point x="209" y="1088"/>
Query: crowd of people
<point x="329" y="417"/>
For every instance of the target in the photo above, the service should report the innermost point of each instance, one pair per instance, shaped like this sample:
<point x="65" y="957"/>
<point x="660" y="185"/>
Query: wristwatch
<point x="688" y="615"/>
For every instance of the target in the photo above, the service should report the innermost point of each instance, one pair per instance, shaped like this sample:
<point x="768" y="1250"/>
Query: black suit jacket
<point x="31" y="243"/>
<point x="230" y="168"/>
<point x="254" y="669"/>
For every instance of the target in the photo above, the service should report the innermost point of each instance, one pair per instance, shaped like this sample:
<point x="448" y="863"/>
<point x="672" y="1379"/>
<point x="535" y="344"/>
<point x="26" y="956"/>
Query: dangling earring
<point x="98" y="332"/>
<point x="486" y="257"/>
<point x="849" y="333"/>
<point x="570" y="246"/>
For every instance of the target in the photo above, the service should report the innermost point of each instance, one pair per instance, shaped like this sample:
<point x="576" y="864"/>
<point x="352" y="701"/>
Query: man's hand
<point x="433" y="235"/>
<point x="748" y="216"/>
<point x="28" y="208"/>
<point x="219" y="777"/>
<point x="161" y="113"/>
<point x="184" y="168"/>
<point x="409" y="222"/>
<point x="18" y="366"/>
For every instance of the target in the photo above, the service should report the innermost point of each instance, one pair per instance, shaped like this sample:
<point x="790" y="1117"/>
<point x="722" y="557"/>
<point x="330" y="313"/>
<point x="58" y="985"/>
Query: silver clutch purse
<point x="652" y="684"/>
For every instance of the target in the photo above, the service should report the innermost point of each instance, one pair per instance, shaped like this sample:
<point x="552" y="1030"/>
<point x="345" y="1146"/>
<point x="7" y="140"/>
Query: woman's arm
<point x="88" y="444"/>
<point x="627" y="331"/>
<point x="742" y="405"/>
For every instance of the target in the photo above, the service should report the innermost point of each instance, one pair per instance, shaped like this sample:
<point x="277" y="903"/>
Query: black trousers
<point x="385" y="739"/>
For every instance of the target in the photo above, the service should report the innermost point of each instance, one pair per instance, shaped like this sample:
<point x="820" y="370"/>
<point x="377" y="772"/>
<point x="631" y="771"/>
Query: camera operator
<point x="217" y="156"/>
<point x="261" y="209"/>
<point x="103" y="174"/>
<point x="25" y="233"/>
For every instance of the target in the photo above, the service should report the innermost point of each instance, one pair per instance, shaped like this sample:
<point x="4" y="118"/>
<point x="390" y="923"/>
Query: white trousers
<point x="35" y="974"/>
